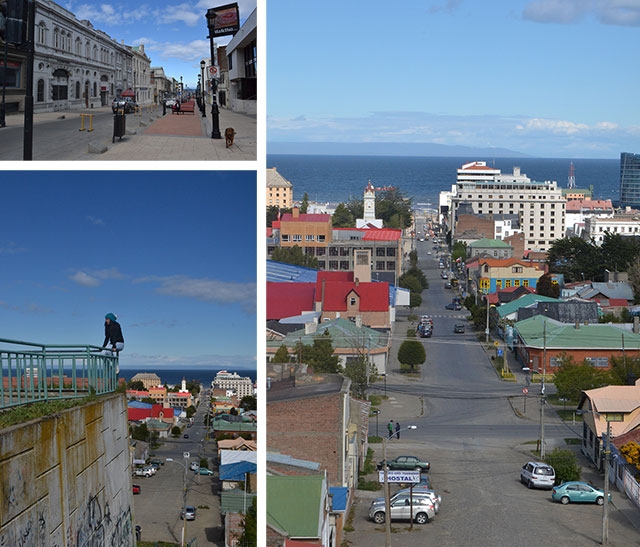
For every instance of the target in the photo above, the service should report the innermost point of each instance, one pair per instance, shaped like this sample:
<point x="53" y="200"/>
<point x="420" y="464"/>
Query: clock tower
<point x="369" y="209"/>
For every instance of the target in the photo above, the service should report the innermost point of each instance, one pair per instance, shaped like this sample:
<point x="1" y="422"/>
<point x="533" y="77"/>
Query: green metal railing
<point x="31" y="372"/>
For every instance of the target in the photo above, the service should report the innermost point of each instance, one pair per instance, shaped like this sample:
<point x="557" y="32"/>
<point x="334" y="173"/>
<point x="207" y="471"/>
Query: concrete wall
<point x="66" y="479"/>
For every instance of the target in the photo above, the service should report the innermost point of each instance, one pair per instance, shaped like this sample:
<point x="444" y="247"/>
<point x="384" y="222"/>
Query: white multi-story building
<point x="242" y="386"/>
<point x="75" y="65"/>
<point x="540" y="206"/>
<point x="595" y="228"/>
<point x="580" y="209"/>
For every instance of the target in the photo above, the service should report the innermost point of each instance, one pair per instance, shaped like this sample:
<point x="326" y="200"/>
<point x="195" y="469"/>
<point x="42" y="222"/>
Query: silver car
<point x="418" y="490"/>
<point x="422" y="509"/>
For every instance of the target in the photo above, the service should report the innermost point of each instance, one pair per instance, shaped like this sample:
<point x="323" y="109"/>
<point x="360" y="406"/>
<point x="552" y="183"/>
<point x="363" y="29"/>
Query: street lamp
<point x="184" y="494"/>
<point x="211" y="16"/>
<point x="204" y="89"/>
<point x="376" y="412"/>
<point x="387" y="501"/>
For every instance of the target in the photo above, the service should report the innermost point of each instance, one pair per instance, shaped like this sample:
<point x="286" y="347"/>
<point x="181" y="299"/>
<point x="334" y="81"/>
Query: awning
<point x="128" y="93"/>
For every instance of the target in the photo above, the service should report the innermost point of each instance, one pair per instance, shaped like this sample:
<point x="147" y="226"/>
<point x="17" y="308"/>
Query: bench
<point x="184" y="107"/>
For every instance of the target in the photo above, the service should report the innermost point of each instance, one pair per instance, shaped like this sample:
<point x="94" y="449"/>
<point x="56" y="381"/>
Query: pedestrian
<point x="397" y="430"/>
<point x="390" y="428"/>
<point x="113" y="339"/>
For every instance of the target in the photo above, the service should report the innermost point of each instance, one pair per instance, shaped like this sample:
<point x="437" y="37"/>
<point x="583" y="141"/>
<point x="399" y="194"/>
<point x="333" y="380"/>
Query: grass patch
<point x="370" y="486"/>
<point x="573" y="441"/>
<point x="375" y="440"/>
<point x="376" y="400"/>
<point x="25" y="413"/>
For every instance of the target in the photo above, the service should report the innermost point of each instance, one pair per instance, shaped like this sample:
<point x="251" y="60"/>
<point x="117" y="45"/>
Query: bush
<point x="565" y="463"/>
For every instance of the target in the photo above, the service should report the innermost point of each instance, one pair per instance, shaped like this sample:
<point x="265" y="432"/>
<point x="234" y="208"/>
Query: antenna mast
<point x="572" y="176"/>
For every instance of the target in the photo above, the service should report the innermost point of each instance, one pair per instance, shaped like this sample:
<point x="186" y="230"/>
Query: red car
<point x="136" y="489"/>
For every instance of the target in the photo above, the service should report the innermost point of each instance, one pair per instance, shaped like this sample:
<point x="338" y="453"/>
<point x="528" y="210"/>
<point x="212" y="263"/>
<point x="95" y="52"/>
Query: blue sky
<point x="171" y="253"/>
<point x="550" y="78"/>
<point x="174" y="33"/>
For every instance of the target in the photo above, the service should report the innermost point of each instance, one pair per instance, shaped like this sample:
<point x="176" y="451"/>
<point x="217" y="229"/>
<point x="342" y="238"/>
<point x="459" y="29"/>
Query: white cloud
<point x="96" y="277"/>
<point x="207" y="290"/>
<point x="554" y="126"/>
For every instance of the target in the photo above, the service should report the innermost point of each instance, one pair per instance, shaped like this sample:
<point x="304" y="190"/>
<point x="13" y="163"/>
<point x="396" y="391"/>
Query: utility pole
<point x="542" y="396"/>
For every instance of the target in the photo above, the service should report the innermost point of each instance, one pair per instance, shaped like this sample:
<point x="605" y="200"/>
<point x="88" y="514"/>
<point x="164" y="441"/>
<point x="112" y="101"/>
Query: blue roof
<point x="279" y="271"/>
<point x="340" y="495"/>
<point x="139" y="404"/>
<point x="236" y="471"/>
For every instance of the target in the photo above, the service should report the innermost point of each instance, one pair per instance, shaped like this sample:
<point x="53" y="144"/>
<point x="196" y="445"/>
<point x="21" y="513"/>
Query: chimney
<point x="310" y="328"/>
<point x="577" y="324"/>
<point x="636" y="324"/>
<point x="359" y="321"/>
<point x="357" y="282"/>
<point x="295" y="212"/>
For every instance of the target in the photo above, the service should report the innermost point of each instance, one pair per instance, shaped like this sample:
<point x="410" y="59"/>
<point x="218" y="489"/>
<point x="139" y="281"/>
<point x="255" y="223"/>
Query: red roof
<point x="373" y="296"/>
<point x="138" y="414"/>
<point x="382" y="234"/>
<point x="288" y="299"/>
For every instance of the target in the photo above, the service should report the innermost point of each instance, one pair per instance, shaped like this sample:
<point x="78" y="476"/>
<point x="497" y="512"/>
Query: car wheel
<point x="529" y="484"/>
<point x="564" y="500"/>
<point x="422" y="518"/>
<point x="600" y="501"/>
<point x="419" y="469"/>
<point x="378" y="517"/>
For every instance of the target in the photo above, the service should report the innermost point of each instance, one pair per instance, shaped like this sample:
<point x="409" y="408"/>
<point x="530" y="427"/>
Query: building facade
<point x="629" y="180"/>
<point x="596" y="228"/>
<point x="242" y="386"/>
<point x="540" y="206"/>
<point x="75" y="65"/>
<point x="141" y="65"/>
<point x="279" y="190"/>
<point x="242" y="55"/>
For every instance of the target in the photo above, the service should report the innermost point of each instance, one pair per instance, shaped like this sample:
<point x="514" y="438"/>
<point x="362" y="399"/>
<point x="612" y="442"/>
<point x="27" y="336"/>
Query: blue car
<point x="577" y="492"/>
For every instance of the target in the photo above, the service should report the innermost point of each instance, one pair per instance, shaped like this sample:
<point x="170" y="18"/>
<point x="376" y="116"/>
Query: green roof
<point x="344" y="334"/>
<point x="491" y="243"/>
<point x="564" y="336"/>
<point x="526" y="301"/>
<point x="294" y="504"/>
<point x="235" y="501"/>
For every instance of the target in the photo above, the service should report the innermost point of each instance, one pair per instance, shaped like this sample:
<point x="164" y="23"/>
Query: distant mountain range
<point x="388" y="149"/>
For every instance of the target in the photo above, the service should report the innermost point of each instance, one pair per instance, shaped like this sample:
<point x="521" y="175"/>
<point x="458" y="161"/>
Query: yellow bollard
<point x="82" y="117"/>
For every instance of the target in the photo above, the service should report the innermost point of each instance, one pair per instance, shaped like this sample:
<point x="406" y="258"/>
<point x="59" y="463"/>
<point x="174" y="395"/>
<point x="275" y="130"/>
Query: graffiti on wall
<point x="30" y="534"/>
<point x="96" y="527"/>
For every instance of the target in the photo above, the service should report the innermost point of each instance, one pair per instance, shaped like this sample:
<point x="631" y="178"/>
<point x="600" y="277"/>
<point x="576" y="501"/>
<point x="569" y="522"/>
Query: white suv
<point x="538" y="475"/>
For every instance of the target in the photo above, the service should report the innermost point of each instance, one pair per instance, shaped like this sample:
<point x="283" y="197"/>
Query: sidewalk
<point x="150" y="136"/>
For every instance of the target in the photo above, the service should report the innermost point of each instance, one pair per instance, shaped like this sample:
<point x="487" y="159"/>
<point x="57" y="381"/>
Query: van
<point x="538" y="475"/>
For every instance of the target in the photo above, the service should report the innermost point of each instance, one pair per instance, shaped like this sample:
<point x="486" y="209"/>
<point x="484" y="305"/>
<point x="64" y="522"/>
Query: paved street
<point x="157" y="509"/>
<point x="150" y="136"/>
<point x="472" y="428"/>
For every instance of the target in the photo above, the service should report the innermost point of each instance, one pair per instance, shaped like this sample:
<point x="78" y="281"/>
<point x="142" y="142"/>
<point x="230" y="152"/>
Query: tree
<point x="571" y="379"/>
<point x="415" y="300"/>
<point x="546" y="287"/>
<point x="281" y="356"/>
<point x="304" y="205"/>
<point x="140" y="433"/>
<point x="320" y="355"/>
<point x="249" y="402"/>
<point x="631" y="453"/>
<point x="459" y="251"/>
<point x="565" y="464"/>
<point x="619" y="252"/>
<point x="576" y="258"/>
<point x="138" y="385"/>
<point x="362" y="373"/>
<point x="249" y="535"/>
<point x="272" y="214"/>
<point x="175" y="431"/>
<point x="410" y="282"/>
<point x="624" y="370"/>
<point x="342" y="217"/>
<point x="412" y="353"/>
<point x="294" y="255"/>
<point x="394" y="208"/>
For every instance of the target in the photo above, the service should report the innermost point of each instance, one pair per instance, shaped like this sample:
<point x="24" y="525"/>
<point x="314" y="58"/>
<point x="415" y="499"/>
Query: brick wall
<point x="309" y="428"/>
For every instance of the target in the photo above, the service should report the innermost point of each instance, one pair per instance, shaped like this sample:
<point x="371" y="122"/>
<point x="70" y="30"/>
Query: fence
<point x="31" y="372"/>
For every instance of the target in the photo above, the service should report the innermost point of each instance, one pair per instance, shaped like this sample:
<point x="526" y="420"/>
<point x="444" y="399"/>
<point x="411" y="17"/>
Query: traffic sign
<point x="213" y="71"/>
<point x="525" y="390"/>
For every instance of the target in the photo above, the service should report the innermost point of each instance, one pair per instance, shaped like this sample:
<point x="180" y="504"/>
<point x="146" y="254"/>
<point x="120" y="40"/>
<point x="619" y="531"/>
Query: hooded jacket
<point x="112" y="334"/>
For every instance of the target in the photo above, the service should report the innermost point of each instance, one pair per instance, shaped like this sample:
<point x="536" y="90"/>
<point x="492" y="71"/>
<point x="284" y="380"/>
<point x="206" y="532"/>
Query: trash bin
<point x="119" y="124"/>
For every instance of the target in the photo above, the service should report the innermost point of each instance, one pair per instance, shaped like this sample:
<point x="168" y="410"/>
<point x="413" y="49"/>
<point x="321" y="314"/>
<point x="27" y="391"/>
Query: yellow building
<point x="279" y="190"/>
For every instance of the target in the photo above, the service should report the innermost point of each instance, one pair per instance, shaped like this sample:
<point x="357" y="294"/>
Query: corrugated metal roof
<point x="294" y="504"/>
<point x="279" y="271"/>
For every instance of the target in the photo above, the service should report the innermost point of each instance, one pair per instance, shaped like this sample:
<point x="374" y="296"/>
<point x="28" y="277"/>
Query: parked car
<point x="154" y="461"/>
<point x="194" y="466"/>
<point x="406" y="463"/>
<point x="142" y="472"/>
<point x="420" y="490"/>
<point x="425" y="331"/>
<point x="538" y="475"/>
<point x="127" y="103"/>
<point x="136" y="488"/>
<point x="447" y="285"/>
<point x="577" y="492"/>
<point x="204" y="471"/>
<point x="456" y="306"/>
<point x="458" y="328"/>
<point x="401" y="508"/>
<point x="185" y="436"/>
<point x="444" y="275"/>
<point x="189" y="513"/>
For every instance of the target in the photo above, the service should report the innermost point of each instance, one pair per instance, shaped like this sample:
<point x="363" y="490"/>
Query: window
<point x="285" y="237"/>
<point x="344" y="251"/>
<point x="297" y="237"/>
<point x="13" y="74"/>
<point x="391" y="251"/>
<point x="333" y="264"/>
<point x="380" y="251"/>
<point x="391" y="266"/>
<point x="321" y="238"/>
<point x="310" y="237"/>
<point x="598" y="362"/>
<point x="380" y="265"/>
<point x="321" y="251"/>
<point x="333" y="251"/>
<point x="517" y="269"/>
<point x="40" y="97"/>
<point x="250" y="60"/>
<point x="344" y="265"/>
<point x="352" y="301"/>
<point x="42" y="33"/>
